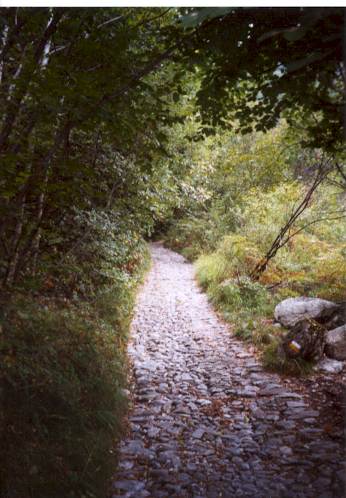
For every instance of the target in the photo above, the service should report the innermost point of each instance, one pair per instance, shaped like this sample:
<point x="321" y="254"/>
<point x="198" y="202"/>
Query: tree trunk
<point x="14" y="104"/>
<point x="13" y="261"/>
<point x="31" y="247"/>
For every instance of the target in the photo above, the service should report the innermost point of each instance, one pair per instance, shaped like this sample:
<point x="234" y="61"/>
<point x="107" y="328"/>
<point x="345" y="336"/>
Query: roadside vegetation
<point x="254" y="185"/>
<point x="63" y="378"/>
<point x="81" y="187"/>
<point x="121" y="124"/>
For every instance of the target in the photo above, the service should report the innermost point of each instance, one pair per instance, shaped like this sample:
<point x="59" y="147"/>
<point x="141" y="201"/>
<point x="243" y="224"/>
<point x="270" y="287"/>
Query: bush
<point x="63" y="372"/>
<point x="235" y="256"/>
<point x="210" y="270"/>
<point x="189" y="236"/>
<point x="239" y="253"/>
<point x="253" y="185"/>
<point x="241" y="292"/>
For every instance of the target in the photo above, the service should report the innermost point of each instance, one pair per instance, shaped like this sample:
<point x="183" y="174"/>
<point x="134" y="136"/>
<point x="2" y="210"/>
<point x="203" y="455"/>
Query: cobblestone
<point x="206" y="420"/>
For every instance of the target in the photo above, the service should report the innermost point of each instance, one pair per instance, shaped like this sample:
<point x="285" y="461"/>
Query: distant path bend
<point x="207" y="421"/>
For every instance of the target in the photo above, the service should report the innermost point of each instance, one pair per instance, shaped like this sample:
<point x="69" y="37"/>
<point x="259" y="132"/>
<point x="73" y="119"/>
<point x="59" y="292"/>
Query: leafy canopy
<point x="259" y="63"/>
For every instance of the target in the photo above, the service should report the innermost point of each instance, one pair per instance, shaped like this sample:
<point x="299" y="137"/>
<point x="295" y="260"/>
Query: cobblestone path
<point x="207" y="421"/>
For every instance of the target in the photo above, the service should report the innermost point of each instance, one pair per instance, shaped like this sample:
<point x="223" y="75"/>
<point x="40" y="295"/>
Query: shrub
<point x="63" y="371"/>
<point x="190" y="236"/>
<point x="241" y="292"/>
<point x="239" y="253"/>
<point x="210" y="270"/>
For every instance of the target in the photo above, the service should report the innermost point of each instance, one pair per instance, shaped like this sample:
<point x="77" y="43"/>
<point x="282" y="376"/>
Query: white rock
<point x="329" y="366"/>
<point x="336" y="343"/>
<point x="294" y="309"/>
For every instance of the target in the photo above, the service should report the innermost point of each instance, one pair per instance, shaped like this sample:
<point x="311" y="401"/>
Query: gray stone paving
<point x="207" y="421"/>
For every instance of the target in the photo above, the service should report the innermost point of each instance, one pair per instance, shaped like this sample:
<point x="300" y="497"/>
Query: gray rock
<point x="198" y="433"/>
<point x="329" y="365"/>
<point x="304" y="414"/>
<point x="129" y="485"/>
<point x="169" y="457"/>
<point x="289" y="395"/>
<point x="295" y="404"/>
<point x="336" y="343"/>
<point x="295" y="309"/>
<point x="271" y="389"/>
<point x="153" y="432"/>
<point x="286" y="450"/>
<point x="133" y="446"/>
<point x="188" y="443"/>
<point x="126" y="464"/>
<point x="235" y="451"/>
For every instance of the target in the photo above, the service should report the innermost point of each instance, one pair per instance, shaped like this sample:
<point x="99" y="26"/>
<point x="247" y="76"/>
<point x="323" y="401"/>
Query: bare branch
<point x="114" y="19"/>
<point x="284" y="235"/>
<point x="313" y="223"/>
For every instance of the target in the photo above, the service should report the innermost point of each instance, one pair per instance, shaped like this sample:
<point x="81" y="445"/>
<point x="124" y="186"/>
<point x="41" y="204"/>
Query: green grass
<point x="249" y="305"/>
<point x="309" y="266"/>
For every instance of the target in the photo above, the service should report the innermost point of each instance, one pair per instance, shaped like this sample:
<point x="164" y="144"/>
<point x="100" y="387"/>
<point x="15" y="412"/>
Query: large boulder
<point x="295" y="309"/>
<point x="305" y="340"/>
<point x="336" y="343"/>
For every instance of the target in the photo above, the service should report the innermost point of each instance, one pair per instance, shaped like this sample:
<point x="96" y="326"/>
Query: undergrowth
<point x="63" y="370"/>
<point x="234" y="232"/>
<point x="249" y="305"/>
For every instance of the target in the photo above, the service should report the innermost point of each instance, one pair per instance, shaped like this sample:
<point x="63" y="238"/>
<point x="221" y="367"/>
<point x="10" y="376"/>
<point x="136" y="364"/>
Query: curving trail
<point x="207" y="421"/>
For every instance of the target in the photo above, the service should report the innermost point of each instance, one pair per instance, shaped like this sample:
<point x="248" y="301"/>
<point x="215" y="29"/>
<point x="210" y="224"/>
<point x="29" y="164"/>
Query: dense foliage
<point x="103" y="143"/>
<point x="63" y="375"/>
<point x="83" y="178"/>
<point x="253" y="186"/>
<point x="259" y="63"/>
